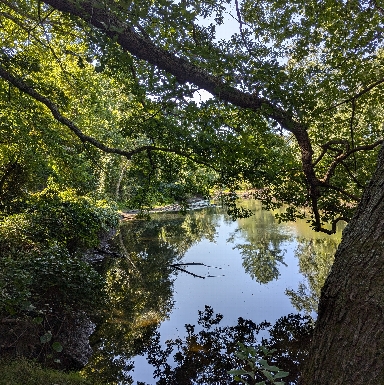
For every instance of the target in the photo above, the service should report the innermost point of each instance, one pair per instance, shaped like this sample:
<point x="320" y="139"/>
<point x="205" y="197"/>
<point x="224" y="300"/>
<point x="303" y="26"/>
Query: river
<point x="177" y="264"/>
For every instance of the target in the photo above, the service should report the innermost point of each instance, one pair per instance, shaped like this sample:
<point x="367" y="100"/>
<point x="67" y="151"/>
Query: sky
<point x="224" y="31"/>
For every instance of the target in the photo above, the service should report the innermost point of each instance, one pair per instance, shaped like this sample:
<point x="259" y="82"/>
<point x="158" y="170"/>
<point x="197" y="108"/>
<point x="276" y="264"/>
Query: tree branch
<point x="183" y="70"/>
<point x="327" y="146"/>
<point x="344" y="156"/>
<point x="334" y="225"/>
<point x="356" y="96"/>
<point x="22" y="86"/>
<point x="119" y="30"/>
<point x="188" y="272"/>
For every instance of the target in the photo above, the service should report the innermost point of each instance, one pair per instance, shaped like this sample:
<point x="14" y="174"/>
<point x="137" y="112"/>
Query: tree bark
<point x="348" y="343"/>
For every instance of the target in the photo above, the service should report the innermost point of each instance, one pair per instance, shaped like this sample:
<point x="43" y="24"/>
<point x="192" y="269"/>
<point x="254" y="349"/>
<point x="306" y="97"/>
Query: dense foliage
<point x="301" y="126"/>
<point x="101" y="100"/>
<point x="296" y="112"/>
<point x="47" y="286"/>
<point x="209" y="351"/>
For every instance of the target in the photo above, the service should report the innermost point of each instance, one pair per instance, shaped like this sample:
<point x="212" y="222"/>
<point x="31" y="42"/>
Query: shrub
<point x="53" y="217"/>
<point x="46" y="286"/>
<point x="78" y="222"/>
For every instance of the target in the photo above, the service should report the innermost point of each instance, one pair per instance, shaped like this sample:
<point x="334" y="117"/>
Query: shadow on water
<point x="137" y="294"/>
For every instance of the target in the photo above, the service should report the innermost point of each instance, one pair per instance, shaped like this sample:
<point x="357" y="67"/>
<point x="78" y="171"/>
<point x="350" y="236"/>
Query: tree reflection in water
<point x="262" y="252"/>
<point x="315" y="260"/>
<point x="139" y="288"/>
<point x="206" y="356"/>
<point x="135" y="294"/>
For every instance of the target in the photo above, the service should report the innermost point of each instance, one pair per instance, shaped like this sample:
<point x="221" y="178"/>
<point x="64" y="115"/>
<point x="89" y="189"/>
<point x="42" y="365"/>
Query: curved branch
<point x="356" y="96"/>
<point x="186" y="271"/>
<point x="22" y="86"/>
<point x="334" y="225"/>
<point x="184" y="71"/>
<point x="345" y="155"/>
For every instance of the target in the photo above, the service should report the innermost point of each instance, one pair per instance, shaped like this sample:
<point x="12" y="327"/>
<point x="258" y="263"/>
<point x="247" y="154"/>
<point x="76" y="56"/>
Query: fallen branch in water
<point x="177" y="266"/>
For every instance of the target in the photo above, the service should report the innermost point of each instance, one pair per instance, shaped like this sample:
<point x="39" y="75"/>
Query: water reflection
<point x="209" y="350"/>
<point x="315" y="260"/>
<point x="141" y="285"/>
<point x="139" y="288"/>
<point x="263" y="250"/>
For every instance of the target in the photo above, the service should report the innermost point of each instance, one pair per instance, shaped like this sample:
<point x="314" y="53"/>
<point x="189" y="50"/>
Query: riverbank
<point x="195" y="203"/>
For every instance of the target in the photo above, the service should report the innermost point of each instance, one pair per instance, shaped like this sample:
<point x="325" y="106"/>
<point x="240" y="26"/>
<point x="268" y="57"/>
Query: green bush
<point x="47" y="288"/>
<point x="52" y="217"/>
<point x="15" y="282"/>
<point x="51" y="276"/>
<point x="24" y="372"/>
<point x="78" y="222"/>
<point x="41" y="252"/>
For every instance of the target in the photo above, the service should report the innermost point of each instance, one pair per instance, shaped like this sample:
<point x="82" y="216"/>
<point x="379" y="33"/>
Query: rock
<point x="75" y="341"/>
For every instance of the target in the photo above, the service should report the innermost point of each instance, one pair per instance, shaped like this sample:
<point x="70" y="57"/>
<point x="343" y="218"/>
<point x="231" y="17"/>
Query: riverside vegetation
<point x="101" y="105"/>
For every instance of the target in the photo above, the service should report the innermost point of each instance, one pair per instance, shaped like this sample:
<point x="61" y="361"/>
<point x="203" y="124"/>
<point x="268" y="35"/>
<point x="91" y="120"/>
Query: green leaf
<point x="268" y="375"/>
<point x="237" y="372"/>
<point x="57" y="347"/>
<point x="281" y="374"/>
<point x="46" y="337"/>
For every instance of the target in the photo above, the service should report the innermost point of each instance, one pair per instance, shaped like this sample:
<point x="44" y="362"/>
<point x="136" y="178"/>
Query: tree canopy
<point x="102" y="97"/>
<point x="296" y="92"/>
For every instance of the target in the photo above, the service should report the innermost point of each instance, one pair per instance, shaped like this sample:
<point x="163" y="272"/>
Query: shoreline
<point x="195" y="203"/>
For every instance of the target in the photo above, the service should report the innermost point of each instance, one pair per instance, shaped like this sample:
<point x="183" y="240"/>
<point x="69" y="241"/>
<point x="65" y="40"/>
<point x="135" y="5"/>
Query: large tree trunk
<point x="348" y="343"/>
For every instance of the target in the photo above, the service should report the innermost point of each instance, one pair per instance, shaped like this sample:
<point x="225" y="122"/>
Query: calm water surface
<point x="253" y="268"/>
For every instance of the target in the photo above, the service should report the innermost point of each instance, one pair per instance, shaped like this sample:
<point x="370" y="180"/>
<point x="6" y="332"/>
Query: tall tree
<point x="310" y="71"/>
<point x="68" y="110"/>
<point x="304" y="72"/>
<point x="349" y="336"/>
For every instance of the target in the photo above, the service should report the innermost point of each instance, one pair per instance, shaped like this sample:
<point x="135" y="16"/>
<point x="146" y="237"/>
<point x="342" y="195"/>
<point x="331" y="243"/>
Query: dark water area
<point x="174" y="266"/>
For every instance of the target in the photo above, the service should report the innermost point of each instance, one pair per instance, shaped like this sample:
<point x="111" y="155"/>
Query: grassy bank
<point x="24" y="372"/>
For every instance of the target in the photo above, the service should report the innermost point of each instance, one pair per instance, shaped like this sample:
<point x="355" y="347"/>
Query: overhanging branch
<point x="22" y="86"/>
<point x="344" y="156"/>
<point x="184" y="71"/>
<point x="140" y="46"/>
<point x="334" y="226"/>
